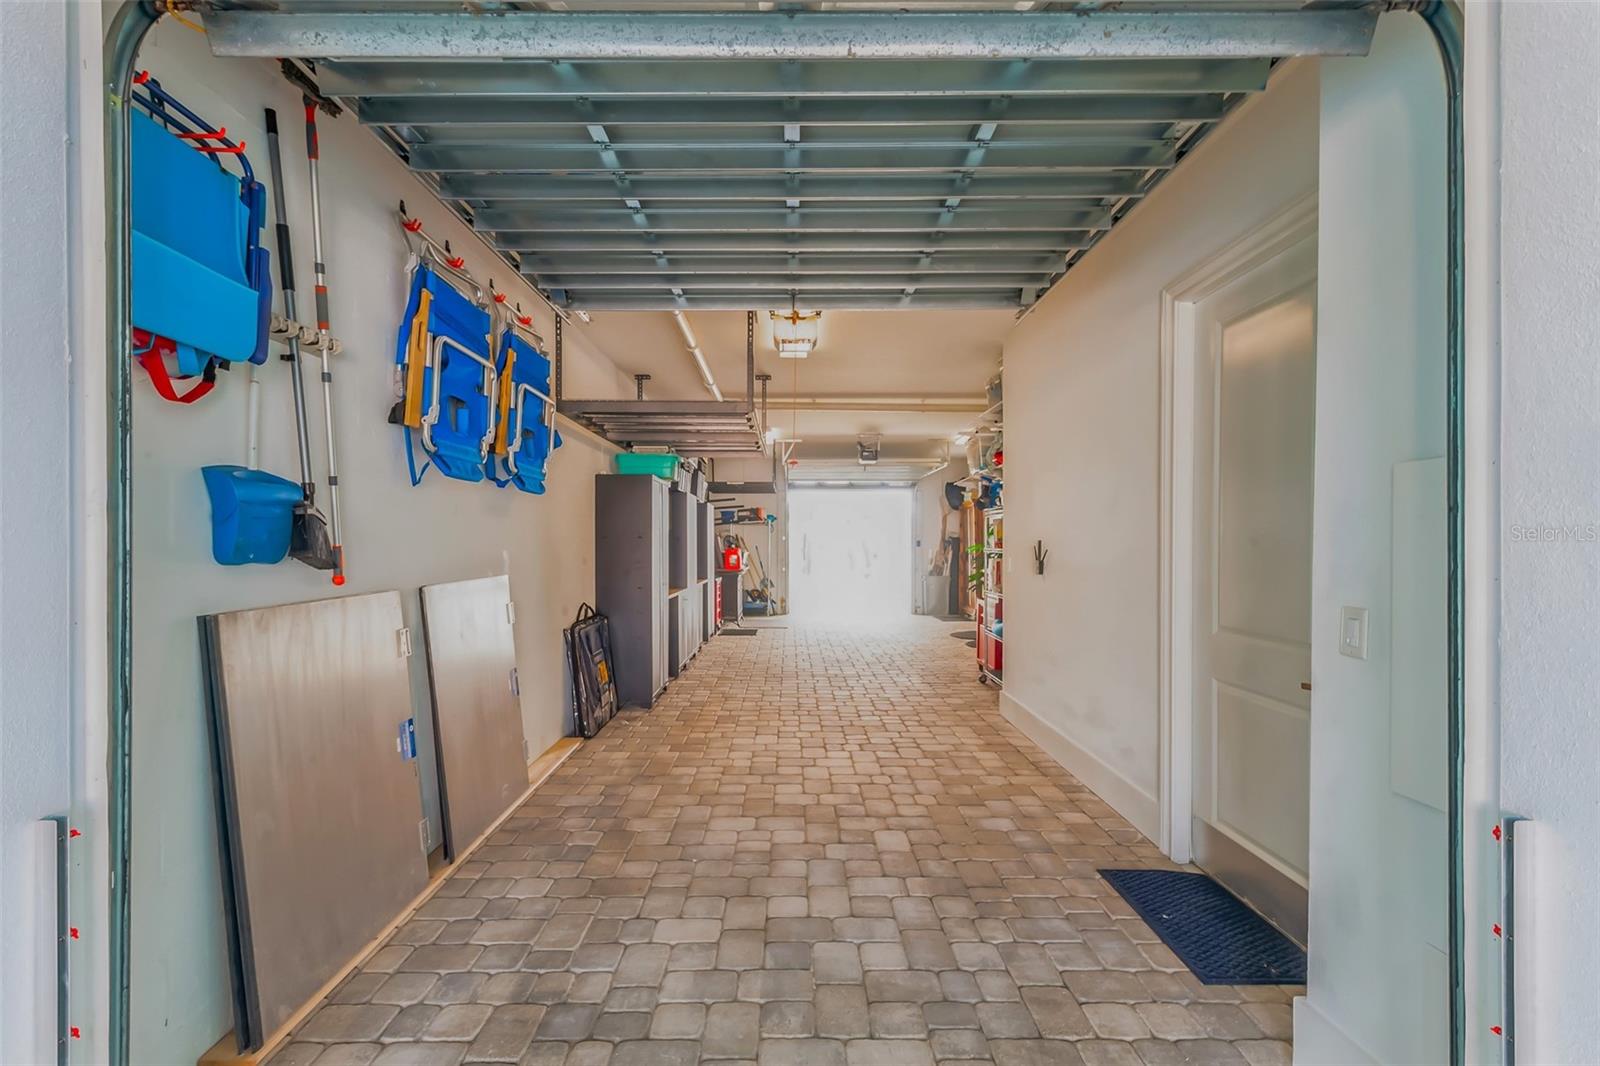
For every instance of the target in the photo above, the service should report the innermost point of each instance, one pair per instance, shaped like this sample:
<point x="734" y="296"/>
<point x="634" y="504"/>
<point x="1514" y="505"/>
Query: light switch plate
<point x="1353" y="632"/>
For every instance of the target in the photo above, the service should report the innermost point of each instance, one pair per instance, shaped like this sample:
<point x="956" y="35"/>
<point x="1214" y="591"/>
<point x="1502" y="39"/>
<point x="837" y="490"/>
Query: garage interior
<point x="1191" y="261"/>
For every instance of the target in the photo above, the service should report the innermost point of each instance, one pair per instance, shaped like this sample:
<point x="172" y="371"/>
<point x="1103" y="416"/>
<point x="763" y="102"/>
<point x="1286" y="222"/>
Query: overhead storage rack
<point x="688" y="427"/>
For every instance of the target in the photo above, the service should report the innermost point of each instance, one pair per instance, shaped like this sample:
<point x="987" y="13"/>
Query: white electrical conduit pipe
<point x="699" y="357"/>
<point x="252" y="423"/>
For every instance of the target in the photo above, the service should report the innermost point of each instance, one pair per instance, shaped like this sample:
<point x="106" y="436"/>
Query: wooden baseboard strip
<point x="225" y="1052"/>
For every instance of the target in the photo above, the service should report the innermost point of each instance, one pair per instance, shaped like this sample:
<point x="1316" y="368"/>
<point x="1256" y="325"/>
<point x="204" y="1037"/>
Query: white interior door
<point x="1254" y="432"/>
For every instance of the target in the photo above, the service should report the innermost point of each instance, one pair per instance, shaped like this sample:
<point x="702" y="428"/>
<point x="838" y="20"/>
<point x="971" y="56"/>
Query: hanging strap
<point x="154" y="363"/>
<point x="411" y="458"/>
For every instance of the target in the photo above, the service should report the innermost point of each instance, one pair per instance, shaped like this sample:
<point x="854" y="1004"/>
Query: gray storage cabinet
<point x="730" y="583"/>
<point x="708" y="572"/>
<point x="683" y="637"/>
<point x="631" y="571"/>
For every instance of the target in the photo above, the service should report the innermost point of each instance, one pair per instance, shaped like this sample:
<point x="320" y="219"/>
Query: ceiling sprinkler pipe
<point x="699" y="356"/>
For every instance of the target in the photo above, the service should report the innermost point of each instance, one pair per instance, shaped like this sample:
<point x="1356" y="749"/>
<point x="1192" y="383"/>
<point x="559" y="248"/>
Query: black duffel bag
<point x="594" y="693"/>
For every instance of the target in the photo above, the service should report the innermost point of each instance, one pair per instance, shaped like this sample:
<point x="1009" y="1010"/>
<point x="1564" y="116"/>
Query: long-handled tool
<point x="322" y="329"/>
<point x="308" y="539"/>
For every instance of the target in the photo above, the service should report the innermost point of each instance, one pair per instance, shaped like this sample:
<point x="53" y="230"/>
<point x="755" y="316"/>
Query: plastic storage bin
<point x="662" y="466"/>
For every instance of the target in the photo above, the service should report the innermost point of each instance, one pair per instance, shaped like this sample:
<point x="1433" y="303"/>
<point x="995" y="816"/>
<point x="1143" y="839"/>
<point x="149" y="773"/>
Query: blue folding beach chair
<point x="449" y="391"/>
<point x="526" y="434"/>
<point x="201" y="281"/>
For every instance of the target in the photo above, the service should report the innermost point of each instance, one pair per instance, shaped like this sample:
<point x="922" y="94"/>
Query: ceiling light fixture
<point x="794" y="334"/>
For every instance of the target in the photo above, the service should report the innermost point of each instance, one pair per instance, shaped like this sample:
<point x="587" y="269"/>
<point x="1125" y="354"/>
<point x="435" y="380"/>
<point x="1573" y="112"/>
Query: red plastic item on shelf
<point x="732" y="559"/>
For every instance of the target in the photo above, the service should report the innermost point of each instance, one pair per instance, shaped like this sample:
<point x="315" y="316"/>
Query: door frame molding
<point x="1180" y="299"/>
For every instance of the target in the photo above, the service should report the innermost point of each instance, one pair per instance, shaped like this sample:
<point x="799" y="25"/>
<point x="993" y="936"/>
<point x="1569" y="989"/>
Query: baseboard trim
<point x="1126" y="798"/>
<point x="547" y="763"/>
<point x="1319" y="1042"/>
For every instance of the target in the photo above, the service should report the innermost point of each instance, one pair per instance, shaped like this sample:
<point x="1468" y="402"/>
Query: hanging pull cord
<point x="173" y="10"/>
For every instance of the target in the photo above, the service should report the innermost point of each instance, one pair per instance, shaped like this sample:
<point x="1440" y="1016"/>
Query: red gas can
<point x="732" y="559"/>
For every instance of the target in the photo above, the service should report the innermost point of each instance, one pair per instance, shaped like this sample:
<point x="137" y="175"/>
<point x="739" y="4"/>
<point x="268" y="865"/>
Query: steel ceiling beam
<point x="882" y="157"/>
<point x="628" y="408"/>
<point x="935" y="405"/>
<point x="520" y="113"/>
<point x="745" y="438"/>
<point x="779" y="300"/>
<point x="1003" y="214"/>
<point x="784" y="220"/>
<point x="849" y="36"/>
<point x="702" y="82"/>
<point x="596" y="268"/>
<point x="664" y="423"/>
<point x="672" y="244"/>
<point x="650" y="139"/>
<point x="1111" y="185"/>
<point x="844" y="282"/>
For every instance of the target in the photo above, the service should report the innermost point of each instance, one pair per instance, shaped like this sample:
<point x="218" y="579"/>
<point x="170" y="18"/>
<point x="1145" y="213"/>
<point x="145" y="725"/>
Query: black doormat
<point x="731" y="631"/>
<point x="965" y="634"/>
<point x="1215" y="933"/>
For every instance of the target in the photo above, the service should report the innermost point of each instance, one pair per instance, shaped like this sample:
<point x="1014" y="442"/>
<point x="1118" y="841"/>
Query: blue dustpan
<point x="252" y="513"/>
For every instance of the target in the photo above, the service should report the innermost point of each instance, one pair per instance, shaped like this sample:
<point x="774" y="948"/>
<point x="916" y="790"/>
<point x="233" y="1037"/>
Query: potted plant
<point x="975" y="572"/>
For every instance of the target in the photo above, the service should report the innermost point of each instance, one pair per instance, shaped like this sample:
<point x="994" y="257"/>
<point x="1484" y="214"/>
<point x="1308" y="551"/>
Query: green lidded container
<point x="662" y="466"/>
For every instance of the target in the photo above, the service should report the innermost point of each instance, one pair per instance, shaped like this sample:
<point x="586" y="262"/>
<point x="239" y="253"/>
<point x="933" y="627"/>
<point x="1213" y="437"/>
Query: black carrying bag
<point x="594" y="692"/>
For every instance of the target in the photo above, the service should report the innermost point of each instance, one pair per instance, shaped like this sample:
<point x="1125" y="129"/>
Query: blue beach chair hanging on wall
<point x="448" y="394"/>
<point x="201" y="282"/>
<point x="526" y="433"/>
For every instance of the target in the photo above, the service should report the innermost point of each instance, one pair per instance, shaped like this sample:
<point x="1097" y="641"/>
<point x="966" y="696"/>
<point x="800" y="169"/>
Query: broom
<point x="308" y="537"/>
